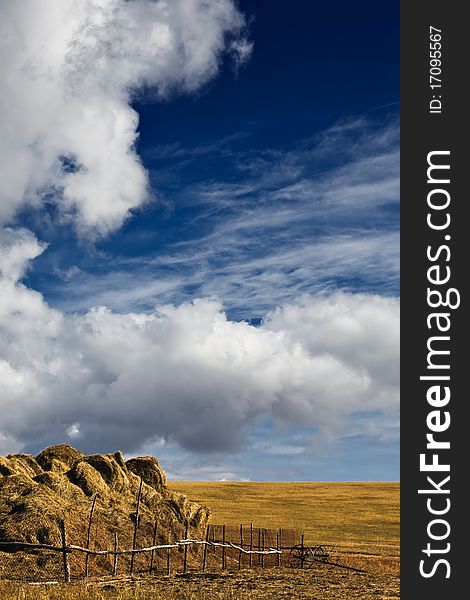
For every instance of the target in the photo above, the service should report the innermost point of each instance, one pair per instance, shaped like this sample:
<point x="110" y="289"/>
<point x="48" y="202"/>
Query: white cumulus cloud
<point x="186" y="373"/>
<point x="69" y="72"/>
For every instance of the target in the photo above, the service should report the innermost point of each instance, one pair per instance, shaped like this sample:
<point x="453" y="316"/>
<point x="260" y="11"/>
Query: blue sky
<point x="265" y="247"/>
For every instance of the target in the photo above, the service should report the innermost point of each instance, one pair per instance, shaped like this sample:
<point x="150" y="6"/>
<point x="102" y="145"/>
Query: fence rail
<point x="176" y="544"/>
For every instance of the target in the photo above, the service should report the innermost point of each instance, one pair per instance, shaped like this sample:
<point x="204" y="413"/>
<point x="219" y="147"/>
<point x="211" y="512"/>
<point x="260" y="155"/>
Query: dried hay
<point x="58" y="458"/>
<point x="19" y="463"/>
<point x="148" y="468"/>
<point x="61" y="483"/>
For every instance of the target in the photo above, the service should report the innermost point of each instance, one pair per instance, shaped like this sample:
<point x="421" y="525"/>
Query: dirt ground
<point x="381" y="581"/>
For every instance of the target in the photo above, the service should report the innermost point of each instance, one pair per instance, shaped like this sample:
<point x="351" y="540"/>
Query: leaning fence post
<point x="115" y="561"/>
<point x="302" y="551"/>
<point x="185" y="559"/>
<point x="251" y="543"/>
<point x="223" y="547"/>
<point x="88" y="535"/>
<point x="168" y="565"/>
<point x="136" y="526"/>
<point x="204" y="558"/>
<point x="241" y="547"/>
<point x="65" y="553"/>
<point x="153" y="544"/>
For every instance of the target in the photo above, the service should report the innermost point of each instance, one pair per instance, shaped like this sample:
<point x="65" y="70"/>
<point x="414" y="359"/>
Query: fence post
<point x="185" y="560"/>
<point x="259" y="545"/>
<point x="88" y="535"/>
<point x="262" y="556"/>
<point x="153" y="544"/>
<point x="251" y="543"/>
<point x="168" y="570"/>
<point x="115" y="561"/>
<point x="278" y="546"/>
<point x="241" y="546"/>
<point x="136" y="526"/>
<point x="63" y="534"/>
<point x="205" y="549"/>
<point x="302" y="550"/>
<point x="223" y="547"/>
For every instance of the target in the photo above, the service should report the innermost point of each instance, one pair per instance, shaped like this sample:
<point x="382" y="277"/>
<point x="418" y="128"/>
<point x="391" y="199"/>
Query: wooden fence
<point x="224" y="548"/>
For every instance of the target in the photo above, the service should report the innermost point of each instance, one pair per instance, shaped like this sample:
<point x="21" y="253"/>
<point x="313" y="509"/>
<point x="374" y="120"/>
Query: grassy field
<point x="361" y="519"/>
<point x="356" y="516"/>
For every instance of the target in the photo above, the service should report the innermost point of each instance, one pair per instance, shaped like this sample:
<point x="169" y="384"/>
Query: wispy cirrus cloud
<point x="293" y="222"/>
<point x="250" y="287"/>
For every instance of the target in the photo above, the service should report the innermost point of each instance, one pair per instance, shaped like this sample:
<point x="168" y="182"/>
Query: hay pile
<point x="36" y="493"/>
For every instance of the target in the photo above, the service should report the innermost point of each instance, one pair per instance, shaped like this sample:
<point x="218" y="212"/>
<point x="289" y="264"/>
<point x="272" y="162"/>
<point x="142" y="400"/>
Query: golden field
<point x="359" y="516"/>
